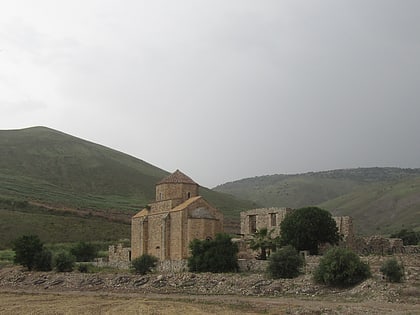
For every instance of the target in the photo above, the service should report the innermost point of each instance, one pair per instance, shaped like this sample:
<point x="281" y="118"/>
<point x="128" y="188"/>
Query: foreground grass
<point x="23" y="303"/>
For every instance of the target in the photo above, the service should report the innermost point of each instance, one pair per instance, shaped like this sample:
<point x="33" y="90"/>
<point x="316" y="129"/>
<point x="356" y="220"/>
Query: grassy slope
<point x="59" y="171"/>
<point x="381" y="208"/>
<point x="380" y="200"/>
<point x="66" y="169"/>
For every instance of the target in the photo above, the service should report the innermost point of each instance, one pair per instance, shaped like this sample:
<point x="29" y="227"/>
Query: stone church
<point x="165" y="228"/>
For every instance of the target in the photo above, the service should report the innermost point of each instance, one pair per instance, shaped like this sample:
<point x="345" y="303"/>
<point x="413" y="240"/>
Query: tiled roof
<point x="186" y="203"/>
<point x="177" y="178"/>
<point x="142" y="213"/>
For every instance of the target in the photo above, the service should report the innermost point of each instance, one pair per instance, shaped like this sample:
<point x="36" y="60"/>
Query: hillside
<point x="380" y="200"/>
<point x="58" y="174"/>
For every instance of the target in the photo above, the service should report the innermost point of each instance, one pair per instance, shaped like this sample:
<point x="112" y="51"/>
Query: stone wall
<point x="252" y="265"/>
<point x="269" y="218"/>
<point x="180" y="191"/>
<point x="118" y="253"/>
<point x="378" y="245"/>
<point x="345" y="229"/>
<point x="173" y="266"/>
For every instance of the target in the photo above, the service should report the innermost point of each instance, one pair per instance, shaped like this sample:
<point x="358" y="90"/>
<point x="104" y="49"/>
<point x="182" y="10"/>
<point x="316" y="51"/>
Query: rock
<point x="140" y="282"/>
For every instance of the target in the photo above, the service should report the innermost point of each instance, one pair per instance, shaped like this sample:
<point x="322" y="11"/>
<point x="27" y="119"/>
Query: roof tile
<point x="177" y="178"/>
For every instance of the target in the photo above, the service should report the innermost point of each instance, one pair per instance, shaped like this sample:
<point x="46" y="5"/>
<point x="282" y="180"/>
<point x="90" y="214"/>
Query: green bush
<point x="26" y="248"/>
<point x="341" y="267"/>
<point x="285" y="263"/>
<point x="64" y="261"/>
<point x="143" y="264"/>
<point x="84" y="251"/>
<point x="43" y="260"/>
<point x="218" y="255"/>
<point x="392" y="271"/>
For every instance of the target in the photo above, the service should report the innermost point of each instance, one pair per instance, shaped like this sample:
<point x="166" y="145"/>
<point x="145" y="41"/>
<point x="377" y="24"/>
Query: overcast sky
<point x="223" y="89"/>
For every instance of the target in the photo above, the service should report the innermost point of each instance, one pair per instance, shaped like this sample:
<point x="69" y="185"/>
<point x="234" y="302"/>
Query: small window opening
<point x="273" y="219"/>
<point x="188" y="195"/>
<point x="252" y="224"/>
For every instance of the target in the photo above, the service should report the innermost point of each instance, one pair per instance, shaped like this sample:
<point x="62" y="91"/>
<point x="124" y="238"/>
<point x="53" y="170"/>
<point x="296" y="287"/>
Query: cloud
<point x="221" y="90"/>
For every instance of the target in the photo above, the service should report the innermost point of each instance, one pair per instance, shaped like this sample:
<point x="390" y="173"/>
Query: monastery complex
<point x="166" y="227"/>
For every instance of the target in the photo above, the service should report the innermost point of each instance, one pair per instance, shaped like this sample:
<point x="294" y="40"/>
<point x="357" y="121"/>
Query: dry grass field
<point x="106" y="303"/>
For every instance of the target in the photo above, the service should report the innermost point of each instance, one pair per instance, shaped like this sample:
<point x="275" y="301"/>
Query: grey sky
<point x="220" y="89"/>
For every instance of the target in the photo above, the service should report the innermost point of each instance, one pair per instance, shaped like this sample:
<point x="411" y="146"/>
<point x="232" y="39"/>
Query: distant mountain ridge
<point x="380" y="199"/>
<point x="54" y="170"/>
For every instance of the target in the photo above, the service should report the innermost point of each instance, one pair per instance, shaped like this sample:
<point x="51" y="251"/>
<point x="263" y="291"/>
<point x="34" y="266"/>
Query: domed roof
<point x="177" y="178"/>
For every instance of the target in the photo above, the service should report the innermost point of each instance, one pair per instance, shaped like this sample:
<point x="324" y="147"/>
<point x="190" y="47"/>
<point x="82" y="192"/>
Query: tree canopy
<point x="307" y="228"/>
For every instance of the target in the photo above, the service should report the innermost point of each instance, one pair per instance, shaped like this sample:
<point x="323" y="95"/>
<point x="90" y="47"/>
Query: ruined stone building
<point x="270" y="218"/>
<point x="256" y="219"/>
<point x="165" y="228"/>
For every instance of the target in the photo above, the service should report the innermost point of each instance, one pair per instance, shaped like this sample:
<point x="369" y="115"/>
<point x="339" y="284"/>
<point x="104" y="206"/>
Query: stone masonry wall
<point x="269" y="218"/>
<point x="118" y="253"/>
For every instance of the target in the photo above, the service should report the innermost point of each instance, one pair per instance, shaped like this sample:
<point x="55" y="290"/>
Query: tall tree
<point x="307" y="228"/>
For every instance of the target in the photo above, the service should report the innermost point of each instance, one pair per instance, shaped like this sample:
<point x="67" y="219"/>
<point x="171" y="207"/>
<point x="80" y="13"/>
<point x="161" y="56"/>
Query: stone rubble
<point x="239" y="284"/>
<point x="204" y="283"/>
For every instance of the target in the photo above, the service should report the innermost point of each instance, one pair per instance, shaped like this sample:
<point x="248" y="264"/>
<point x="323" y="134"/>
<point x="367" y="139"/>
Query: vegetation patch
<point x="392" y="270"/>
<point x="218" y="255"/>
<point x="285" y="263"/>
<point x="341" y="267"/>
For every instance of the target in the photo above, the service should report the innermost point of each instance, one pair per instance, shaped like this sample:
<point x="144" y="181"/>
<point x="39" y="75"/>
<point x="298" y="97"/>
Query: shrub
<point x="26" y="248"/>
<point x="84" y="251"/>
<point x="64" y="261"/>
<point x="143" y="264"/>
<point x="285" y="263"/>
<point x="43" y="260"/>
<point x="218" y="255"/>
<point x="393" y="271"/>
<point x="341" y="267"/>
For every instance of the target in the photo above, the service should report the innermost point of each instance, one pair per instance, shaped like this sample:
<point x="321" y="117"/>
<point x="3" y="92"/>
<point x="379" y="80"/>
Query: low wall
<point x="252" y="265"/>
<point x="172" y="266"/>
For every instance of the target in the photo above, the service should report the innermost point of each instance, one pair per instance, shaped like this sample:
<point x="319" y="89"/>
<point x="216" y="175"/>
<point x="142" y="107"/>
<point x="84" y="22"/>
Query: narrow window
<point x="188" y="195"/>
<point x="160" y="196"/>
<point x="273" y="219"/>
<point x="252" y="224"/>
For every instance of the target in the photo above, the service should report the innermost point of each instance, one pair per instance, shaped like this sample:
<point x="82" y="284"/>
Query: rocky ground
<point x="400" y="296"/>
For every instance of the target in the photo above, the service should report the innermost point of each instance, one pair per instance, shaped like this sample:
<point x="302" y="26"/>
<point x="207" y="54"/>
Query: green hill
<point x="380" y="200"/>
<point x="47" y="175"/>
